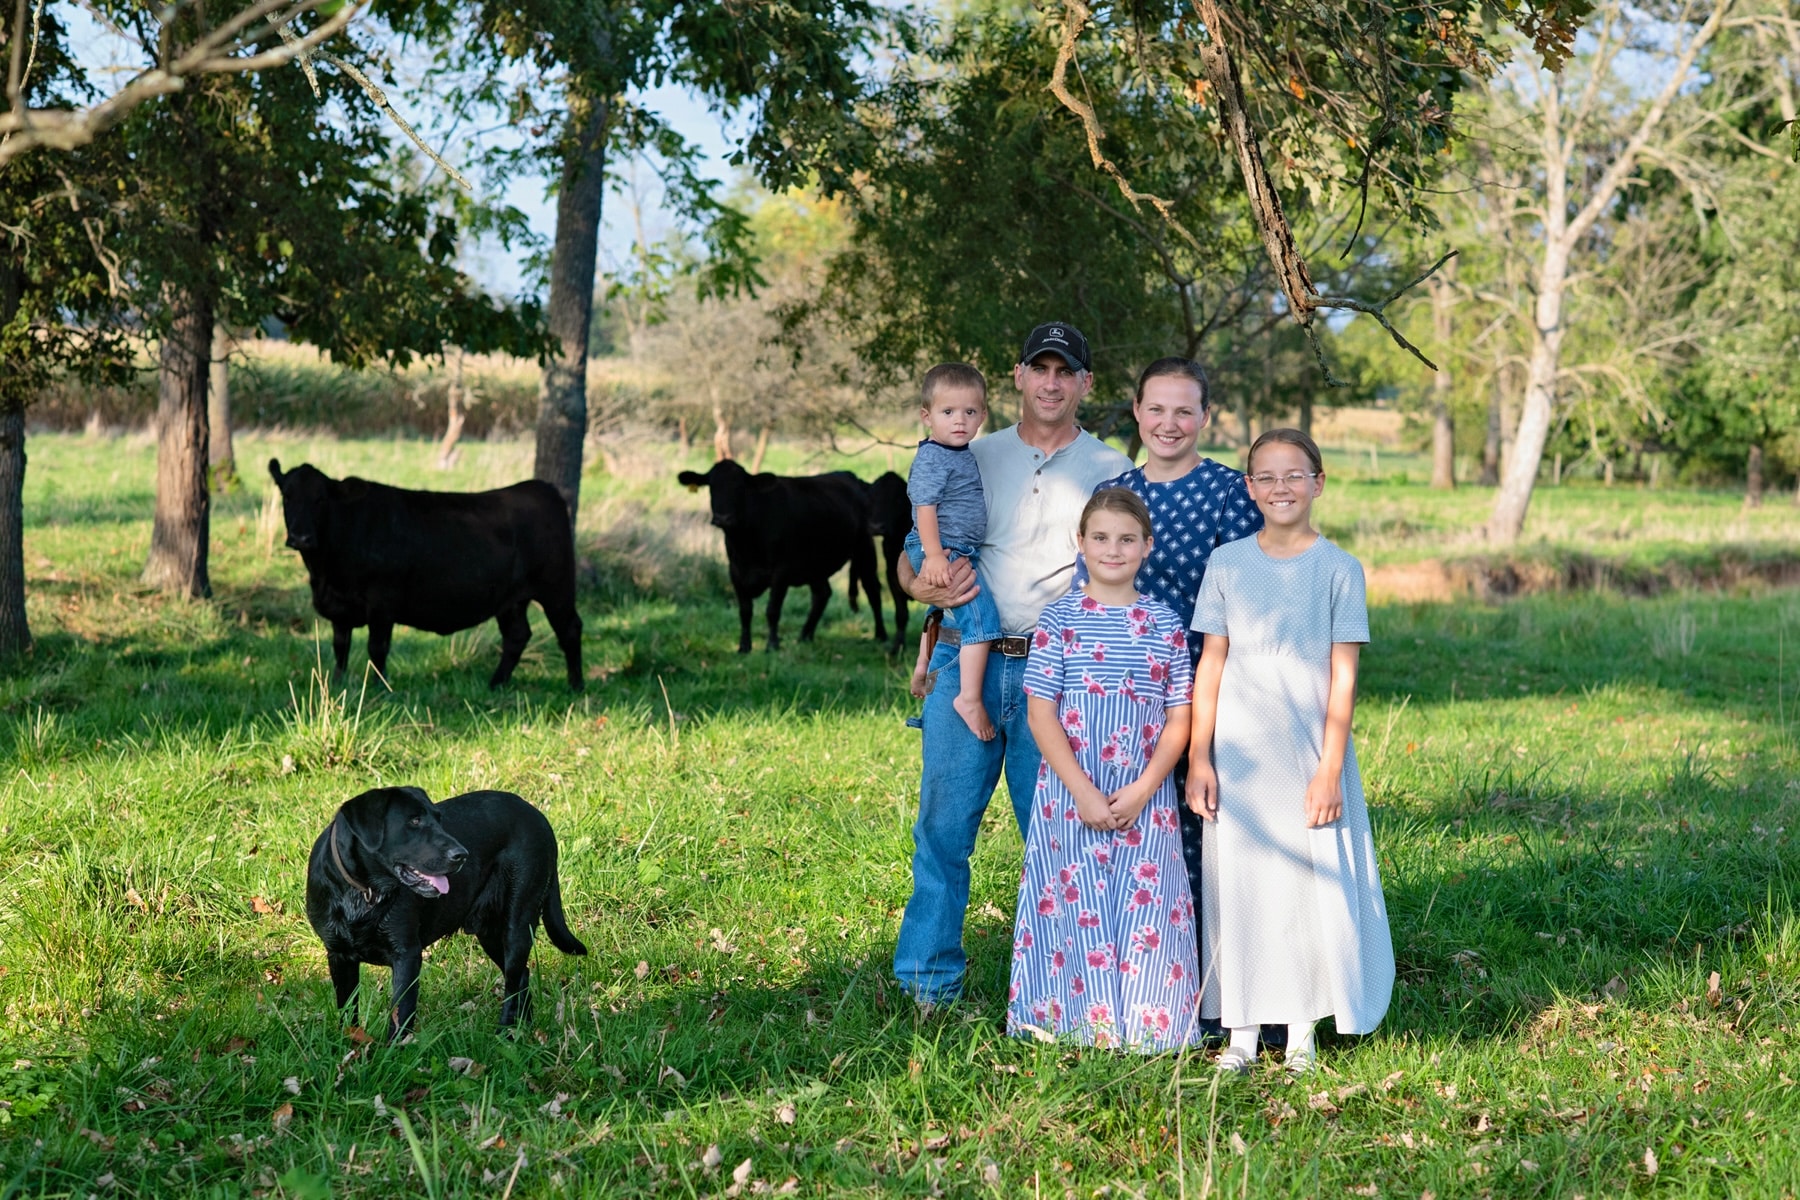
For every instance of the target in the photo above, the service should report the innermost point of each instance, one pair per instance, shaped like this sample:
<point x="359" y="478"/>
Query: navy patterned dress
<point x="1104" y="950"/>
<point x="1190" y="517"/>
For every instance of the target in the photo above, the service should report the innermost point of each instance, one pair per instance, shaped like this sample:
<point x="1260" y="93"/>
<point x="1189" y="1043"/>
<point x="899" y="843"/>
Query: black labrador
<point x="394" y="873"/>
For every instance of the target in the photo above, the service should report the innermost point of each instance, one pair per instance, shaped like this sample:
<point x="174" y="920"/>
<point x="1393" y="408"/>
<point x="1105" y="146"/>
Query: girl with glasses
<point x="1294" y="922"/>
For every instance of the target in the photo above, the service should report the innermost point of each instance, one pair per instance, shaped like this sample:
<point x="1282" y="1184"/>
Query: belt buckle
<point x="1013" y="647"/>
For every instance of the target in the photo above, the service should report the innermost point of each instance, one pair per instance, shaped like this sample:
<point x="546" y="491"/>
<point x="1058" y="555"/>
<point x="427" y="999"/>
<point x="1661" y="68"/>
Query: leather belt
<point x="1012" y="647"/>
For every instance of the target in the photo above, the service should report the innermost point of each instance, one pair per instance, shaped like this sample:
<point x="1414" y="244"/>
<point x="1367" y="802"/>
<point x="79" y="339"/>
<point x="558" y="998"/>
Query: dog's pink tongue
<point x="440" y="882"/>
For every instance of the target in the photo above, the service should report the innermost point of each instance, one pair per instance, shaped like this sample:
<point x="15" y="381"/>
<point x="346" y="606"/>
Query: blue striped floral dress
<point x="1103" y="945"/>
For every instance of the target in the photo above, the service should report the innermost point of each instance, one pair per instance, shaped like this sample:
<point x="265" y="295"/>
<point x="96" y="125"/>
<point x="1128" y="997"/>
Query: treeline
<point x="1276" y="189"/>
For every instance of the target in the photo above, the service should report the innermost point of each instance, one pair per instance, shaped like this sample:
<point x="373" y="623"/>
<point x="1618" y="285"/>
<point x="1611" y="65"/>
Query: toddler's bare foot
<point x="918" y="682"/>
<point x="974" y="715"/>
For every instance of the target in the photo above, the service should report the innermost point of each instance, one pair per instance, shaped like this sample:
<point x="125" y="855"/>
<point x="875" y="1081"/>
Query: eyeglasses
<point x="1293" y="478"/>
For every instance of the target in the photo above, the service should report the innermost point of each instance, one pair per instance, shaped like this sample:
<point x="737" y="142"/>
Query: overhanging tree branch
<point x="217" y="51"/>
<point x="1276" y="231"/>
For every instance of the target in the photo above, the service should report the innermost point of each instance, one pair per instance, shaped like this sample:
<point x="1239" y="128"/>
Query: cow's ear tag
<point x="693" y="487"/>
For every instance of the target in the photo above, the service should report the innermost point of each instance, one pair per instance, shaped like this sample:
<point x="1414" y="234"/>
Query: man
<point x="1037" y="475"/>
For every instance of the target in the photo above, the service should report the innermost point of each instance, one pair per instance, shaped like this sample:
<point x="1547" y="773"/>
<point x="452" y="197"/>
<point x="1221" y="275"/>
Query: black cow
<point x="783" y="532"/>
<point x="440" y="561"/>
<point x="891" y="519"/>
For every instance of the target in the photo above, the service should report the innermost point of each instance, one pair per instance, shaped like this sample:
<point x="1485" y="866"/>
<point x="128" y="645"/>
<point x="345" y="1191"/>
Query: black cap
<point x="1063" y="340"/>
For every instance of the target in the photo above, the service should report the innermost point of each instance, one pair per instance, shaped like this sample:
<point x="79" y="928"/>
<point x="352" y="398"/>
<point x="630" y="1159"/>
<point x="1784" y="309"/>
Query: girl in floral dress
<point x="1103" y="945"/>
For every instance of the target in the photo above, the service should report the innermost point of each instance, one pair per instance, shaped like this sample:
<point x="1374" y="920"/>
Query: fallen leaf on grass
<point x="1387" y="1085"/>
<point x="712" y="1158"/>
<point x="1714" y="996"/>
<point x="1367" y="1189"/>
<point x="789" y="1186"/>
<point x="466" y="1066"/>
<point x="1482" y="1124"/>
<point x="358" y="1036"/>
<point x="282" y="1117"/>
<point x="99" y="1139"/>
<point x="1614" y="988"/>
<point x="720" y="943"/>
<point x="642" y="970"/>
<point x="136" y="901"/>
<point x="1238" y="1145"/>
<point x="259" y="905"/>
<point x="1321" y="1102"/>
<point x="494" y="1142"/>
<point x="785" y="1113"/>
<point x="292" y="1084"/>
<point x="672" y="1073"/>
<point x="990" y="1173"/>
<point x="1349" y="1090"/>
<point x="1651" y="1166"/>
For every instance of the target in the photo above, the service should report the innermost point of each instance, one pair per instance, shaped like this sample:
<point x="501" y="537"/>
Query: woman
<point x="1196" y="505"/>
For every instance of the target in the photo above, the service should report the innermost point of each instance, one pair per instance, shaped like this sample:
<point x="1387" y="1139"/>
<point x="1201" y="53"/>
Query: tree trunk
<point x="762" y="447"/>
<point x="1511" y="505"/>
<point x="15" y="633"/>
<point x="721" y="426"/>
<point x="218" y="412"/>
<point x="1490" y="448"/>
<point x="182" y="527"/>
<point x="1443" y="424"/>
<point x="1753" y="478"/>
<point x="1509" y="420"/>
<point x="1306" y="413"/>
<point x="562" y="394"/>
<point x="457" y="414"/>
<point x="1520" y="473"/>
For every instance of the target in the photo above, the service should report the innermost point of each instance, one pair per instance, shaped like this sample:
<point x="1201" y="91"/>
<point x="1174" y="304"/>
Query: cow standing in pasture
<point x="439" y="561"/>
<point x="783" y="532"/>
<point x="891" y="519"/>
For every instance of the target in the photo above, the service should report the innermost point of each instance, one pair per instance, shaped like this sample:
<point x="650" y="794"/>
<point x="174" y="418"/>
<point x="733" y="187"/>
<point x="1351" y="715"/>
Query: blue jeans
<point x="954" y="789"/>
<point x="979" y="619"/>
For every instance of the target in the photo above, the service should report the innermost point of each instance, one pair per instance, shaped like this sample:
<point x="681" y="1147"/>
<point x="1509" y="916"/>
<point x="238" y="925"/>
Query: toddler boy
<point x="949" y="522"/>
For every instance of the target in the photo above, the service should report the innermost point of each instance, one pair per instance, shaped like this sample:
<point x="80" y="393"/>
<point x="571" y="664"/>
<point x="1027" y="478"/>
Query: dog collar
<point x="368" y="893"/>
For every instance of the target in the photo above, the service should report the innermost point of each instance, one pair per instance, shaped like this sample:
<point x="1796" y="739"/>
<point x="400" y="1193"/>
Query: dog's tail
<point x="556" y="925"/>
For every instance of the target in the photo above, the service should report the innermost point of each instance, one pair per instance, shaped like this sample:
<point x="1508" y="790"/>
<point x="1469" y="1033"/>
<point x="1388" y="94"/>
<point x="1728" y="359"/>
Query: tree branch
<point x="217" y="52"/>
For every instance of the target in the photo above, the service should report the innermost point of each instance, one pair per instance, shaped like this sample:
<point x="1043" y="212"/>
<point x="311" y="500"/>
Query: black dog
<point x="394" y="873"/>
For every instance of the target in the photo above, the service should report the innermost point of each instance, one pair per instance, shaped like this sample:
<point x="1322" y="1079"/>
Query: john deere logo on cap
<point x="1055" y="331"/>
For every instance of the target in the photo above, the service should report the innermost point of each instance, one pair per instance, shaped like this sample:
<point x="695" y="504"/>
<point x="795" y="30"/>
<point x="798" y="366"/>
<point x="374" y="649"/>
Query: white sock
<point x="1243" y="1041"/>
<point x="1300" y="1038"/>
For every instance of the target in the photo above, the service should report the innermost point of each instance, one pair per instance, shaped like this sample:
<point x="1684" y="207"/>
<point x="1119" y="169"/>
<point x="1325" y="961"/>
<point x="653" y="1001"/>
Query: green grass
<point x="1584" y="805"/>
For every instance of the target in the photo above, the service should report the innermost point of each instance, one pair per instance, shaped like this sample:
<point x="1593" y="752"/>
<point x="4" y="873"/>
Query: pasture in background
<point x="1584" y="801"/>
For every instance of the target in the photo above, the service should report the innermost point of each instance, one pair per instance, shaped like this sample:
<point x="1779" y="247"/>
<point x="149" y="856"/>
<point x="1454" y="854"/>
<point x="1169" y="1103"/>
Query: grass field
<point x="1585" y="807"/>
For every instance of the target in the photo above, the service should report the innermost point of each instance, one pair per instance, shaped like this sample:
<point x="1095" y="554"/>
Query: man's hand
<point x="957" y="591"/>
<point x="1202" y="788"/>
<point x="934" y="571"/>
<point x="1324" y="798"/>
